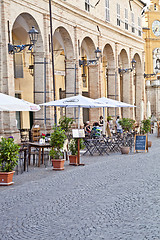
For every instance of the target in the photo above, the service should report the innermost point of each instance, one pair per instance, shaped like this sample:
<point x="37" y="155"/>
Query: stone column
<point x="39" y="87"/>
<point x="8" y="125"/>
<point x="49" y="78"/>
<point x="71" y="84"/>
<point x="1" y="64"/>
<point x="126" y="93"/>
<point x="94" y="91"/>
<point x="112" y="88"/>
<point x="139" y="97"/>
<point x="117" y="76"/>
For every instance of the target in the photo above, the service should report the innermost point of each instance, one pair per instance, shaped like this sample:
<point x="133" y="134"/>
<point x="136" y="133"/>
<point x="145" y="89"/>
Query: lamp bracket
<point x="124" y="70"/>
<point x="149" y="75"/>
<point x="18" y="48"/>
<point x="87" y="62"/>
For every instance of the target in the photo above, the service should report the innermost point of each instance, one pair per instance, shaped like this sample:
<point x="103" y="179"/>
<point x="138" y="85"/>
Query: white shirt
<point x="118" y="125"/>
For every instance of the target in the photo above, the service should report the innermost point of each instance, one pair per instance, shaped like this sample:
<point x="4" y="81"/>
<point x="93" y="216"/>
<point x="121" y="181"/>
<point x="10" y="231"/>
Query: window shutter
<point x="18" y="65"/>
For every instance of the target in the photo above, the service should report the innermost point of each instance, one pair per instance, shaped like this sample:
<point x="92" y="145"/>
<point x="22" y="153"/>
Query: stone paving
<point x="111" y="197"/>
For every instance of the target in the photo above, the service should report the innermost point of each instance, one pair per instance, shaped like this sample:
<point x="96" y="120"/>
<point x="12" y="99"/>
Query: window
<point x="133" y="28"/>
<point x="87" y="5"/>
<point x="118" y="15"/>
<point x="18" y="65"/>
<point x="107" y="11"/>
<point x="126" y="19"/>
<point x="139" y="27"/>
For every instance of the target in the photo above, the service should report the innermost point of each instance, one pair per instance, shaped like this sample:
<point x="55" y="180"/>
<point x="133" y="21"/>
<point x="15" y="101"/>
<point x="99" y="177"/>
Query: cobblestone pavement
<point x="111" y="197"/>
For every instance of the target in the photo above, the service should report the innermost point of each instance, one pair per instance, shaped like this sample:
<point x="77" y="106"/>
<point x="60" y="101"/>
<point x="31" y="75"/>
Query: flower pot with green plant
<point x="127" y="126"/>
<point x="66" y="123"/>
<point x="57" y="140"/>
<point x="73" y="148"/>
<point x="8" y="160"/>
<point x="145" y="129"/>
<point x="42" y="140"/>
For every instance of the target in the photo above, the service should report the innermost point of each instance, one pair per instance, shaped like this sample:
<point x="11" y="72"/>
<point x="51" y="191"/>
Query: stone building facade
<point x="79" y="27"/>
<point x="151" y="29"/>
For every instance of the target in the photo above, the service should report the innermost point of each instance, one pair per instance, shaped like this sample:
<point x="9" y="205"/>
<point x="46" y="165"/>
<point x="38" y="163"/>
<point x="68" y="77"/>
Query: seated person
<point x="87" y="128"/>
<point x="101" y="121"/>
<point x="96" y="130"/>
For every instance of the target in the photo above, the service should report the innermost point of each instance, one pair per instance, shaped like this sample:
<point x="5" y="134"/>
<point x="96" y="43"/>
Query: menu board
<point x="78" y="133"/>
<point x="140" y="143"/>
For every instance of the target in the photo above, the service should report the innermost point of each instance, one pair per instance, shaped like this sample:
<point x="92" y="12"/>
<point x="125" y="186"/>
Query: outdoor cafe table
<point x="40" y="148"/>
<point x="95" y="146"/>
<point x="24" y="149"/>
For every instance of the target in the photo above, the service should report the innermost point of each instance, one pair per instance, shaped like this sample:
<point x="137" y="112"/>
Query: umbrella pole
<point x="78" y="142"/>
<point x="79" y="117"/>
<point x="103" y="121"/>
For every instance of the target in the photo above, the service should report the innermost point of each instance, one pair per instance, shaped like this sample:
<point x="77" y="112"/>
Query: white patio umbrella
<point x="111" y="103"/>
<point x="9" y="103"/>
<point x="76" y="101"/>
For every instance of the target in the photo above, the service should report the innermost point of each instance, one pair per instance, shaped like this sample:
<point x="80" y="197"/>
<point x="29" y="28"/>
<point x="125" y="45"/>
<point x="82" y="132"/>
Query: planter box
<point x="6" y="178"/>
<point x="149" y="144"/>
<point x="73" y="160"/>
<point x="58" y="164"/>
<point x="125" y="150"/>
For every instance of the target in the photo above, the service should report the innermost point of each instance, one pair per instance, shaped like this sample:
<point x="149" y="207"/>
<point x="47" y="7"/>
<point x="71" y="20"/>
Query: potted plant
<point x="57" y="140"/>
<point x="146" y="128"/>
<point x="8" y="160"/>
<point x="42" y="139"/>
<point x="125" y="148"/>
<point x="127" y="125"/>
<point x="65" y="123"/>
<point x="73" y="148"/>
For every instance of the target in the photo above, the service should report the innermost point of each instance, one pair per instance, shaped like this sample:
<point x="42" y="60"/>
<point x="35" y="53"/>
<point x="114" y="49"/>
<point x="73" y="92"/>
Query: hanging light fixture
<point x="85" y="62"/>
<point x="33" y="34"/>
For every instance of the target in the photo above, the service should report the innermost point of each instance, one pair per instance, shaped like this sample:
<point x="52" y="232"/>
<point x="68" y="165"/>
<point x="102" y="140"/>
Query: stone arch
<point x="64" y="64"/>
<point x="32" y="83"/>
<point x="109" y="69"/>
<point x="109" y="74"/>
<point x="22" y="24"/>
<point x="124" y="85"/>
<point x="87" y="53"/>
<point x="63" y="39"/>
<point x="89" y="74"/>
<point x="137" y="86"/>
<point x="88" y="48"/>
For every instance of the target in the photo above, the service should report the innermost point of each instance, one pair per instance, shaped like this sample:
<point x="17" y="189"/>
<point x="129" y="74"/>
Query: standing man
<point x="118" y="126"/>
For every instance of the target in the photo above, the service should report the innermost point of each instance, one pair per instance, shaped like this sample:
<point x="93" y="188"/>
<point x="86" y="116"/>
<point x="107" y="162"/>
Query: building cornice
<point x="67" y="7"/>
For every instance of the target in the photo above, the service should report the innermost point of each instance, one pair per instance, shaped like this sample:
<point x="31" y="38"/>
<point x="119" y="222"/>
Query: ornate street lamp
<point x="33" y="34"/>
<point x="85" y="62"/>
<point x="124" y="70"/>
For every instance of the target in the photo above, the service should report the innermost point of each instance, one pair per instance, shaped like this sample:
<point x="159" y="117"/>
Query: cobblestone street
<point x="111" y="197"/>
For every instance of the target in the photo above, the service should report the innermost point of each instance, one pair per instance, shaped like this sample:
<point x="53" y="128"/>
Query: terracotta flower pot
<point x="125" y="150"/>
<point x="58" y="164"/>
<point x="149" y="143"/>
<point x="6" y="178"/>
<point x="73" y="160"/>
